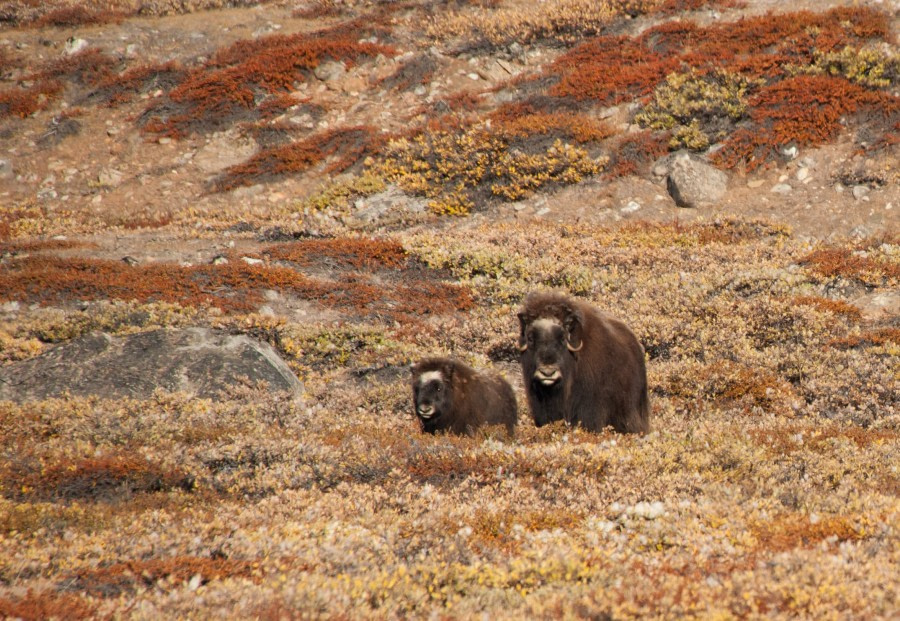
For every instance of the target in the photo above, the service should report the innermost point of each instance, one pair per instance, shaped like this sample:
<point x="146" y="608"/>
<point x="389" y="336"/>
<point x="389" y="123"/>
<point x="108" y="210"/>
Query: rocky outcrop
<point x="198" y="361"/>
<point x="692" y="183"/>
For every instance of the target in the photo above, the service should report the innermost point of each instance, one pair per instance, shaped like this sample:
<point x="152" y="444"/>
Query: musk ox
<point x="581" y="365"/>
<point x="448" y="394"/>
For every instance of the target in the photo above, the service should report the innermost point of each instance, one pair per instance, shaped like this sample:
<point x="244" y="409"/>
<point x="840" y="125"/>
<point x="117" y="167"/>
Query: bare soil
<point x="161" y="181"/>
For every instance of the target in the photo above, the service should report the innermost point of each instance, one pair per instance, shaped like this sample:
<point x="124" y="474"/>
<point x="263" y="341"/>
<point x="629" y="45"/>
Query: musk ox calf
<point x="448" y="394"/>
<point x="582" y="366"/>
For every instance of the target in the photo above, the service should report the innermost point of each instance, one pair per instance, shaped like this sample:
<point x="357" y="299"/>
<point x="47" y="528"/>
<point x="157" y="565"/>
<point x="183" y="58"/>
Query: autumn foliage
<point x="408" y="291"/>
<point x="338" y="149"/>
<point x="229" y="87"/>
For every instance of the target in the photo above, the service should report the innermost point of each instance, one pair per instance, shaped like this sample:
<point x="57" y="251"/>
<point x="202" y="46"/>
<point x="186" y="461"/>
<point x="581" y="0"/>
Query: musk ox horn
<point x="522" y="347"/>
<point x="574" y="349"/>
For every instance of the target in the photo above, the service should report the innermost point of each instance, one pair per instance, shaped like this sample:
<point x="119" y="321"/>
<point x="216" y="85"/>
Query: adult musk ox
<point x="448" y="394"/>
<point x="581" y="365"/>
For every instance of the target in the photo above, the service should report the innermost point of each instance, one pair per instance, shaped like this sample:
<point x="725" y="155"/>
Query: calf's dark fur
<point x="449" y="395"/>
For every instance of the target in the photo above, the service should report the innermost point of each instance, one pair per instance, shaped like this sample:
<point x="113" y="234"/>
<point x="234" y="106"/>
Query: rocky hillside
<point x="337" y="189"/>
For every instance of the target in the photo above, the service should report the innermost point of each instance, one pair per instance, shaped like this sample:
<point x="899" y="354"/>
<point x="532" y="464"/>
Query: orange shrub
<point x="357" y="253"/>
<point x="94" y="478"/>
<point x="347" y="145"/>
<point x="228" y="87"/>
<point x="46" y="605"/>
<point x="71" y="16"/>
<point x="803" y="110"/>
<point x="844" y="262"/>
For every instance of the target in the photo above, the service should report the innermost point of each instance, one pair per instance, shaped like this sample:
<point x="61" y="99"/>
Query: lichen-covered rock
<point x="692" y="183"/>
<point x="193" y="360"/>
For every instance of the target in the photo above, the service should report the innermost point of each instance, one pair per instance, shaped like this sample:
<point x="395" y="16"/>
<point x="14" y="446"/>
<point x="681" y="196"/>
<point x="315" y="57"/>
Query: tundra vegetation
<point x="769" y="484"/>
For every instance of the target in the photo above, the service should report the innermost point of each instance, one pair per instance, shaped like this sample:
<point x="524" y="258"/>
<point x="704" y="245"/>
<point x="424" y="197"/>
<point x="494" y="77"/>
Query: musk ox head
<point x="432" y="392"/>
<point x="549" y="342"/>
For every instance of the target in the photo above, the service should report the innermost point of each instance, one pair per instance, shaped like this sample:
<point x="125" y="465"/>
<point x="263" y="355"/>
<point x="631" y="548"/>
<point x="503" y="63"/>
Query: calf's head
<point x="432" y="393"/>
<point x="549" y="344"/>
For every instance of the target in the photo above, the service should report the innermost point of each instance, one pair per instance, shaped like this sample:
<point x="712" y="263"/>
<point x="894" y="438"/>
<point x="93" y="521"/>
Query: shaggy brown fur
<point x="449" y="395"/>
<point x="582" y="366"/>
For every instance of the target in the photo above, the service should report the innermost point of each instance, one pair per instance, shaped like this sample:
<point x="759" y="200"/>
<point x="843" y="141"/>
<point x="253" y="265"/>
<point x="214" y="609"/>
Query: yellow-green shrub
<point x="697" y="106"/>
<point x="867" y="66"/>
<point x="456" y="168"/>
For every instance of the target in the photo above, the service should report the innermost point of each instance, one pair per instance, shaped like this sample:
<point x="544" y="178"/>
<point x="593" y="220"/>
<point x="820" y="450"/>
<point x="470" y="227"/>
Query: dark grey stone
<point x="198" y="361"/>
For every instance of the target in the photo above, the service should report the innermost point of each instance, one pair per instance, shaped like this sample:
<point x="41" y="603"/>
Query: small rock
<point x="878" y="306"/>
<point x="164" y="140"/>
<point x="648" y="510"/>
<point x="509" y="69"/>
<point x="195" y="582"/>
<point x="473" y="76"/>
<point x="219" y="259"/>
<point x="631" y="207"/>
<point x="543" y="211"/>
<point x="249" y="191"/>
<point x="6" y="170"/>
<point x="130" y="260"/>
<point x="791" y="152"/>
<point x="802" y="174"/>
<point x="661" y="169"/>
<point x="781" y="188"/>
<point x="330" y="70"/>
<point x="110" y="177"/>
<point x="10" y="307"/>
<point x="354" y="85"/>
<point x="860" y="191"/>
<point x="610" y="112"/>
<point x="692" y="183"/>
<point x="251" y="260"/>
<point x="74" y="45"/>
<point x="860" y="232"/>
<point x="756" y="183"/>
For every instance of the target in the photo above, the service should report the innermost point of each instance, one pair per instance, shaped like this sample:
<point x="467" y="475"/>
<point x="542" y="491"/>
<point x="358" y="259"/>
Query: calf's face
<point x="431" y="394"/>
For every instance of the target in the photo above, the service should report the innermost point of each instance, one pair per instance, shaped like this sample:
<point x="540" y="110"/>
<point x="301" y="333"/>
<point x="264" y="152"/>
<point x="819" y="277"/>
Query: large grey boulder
<point x="692" y="183"/>
<point x="199" y="361"/>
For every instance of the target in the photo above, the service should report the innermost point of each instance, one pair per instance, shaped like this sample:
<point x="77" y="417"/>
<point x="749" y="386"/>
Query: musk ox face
<point x="432" y="395"/>
<point x="549" y="346"/>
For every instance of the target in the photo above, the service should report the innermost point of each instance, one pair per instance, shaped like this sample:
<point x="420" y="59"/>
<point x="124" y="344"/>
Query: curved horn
<point x="574" y="349"/>
<point x="522" y="344"/>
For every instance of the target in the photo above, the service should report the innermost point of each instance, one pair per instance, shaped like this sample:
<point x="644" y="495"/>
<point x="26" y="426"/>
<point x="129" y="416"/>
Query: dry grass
<point x="768" y="486"/>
